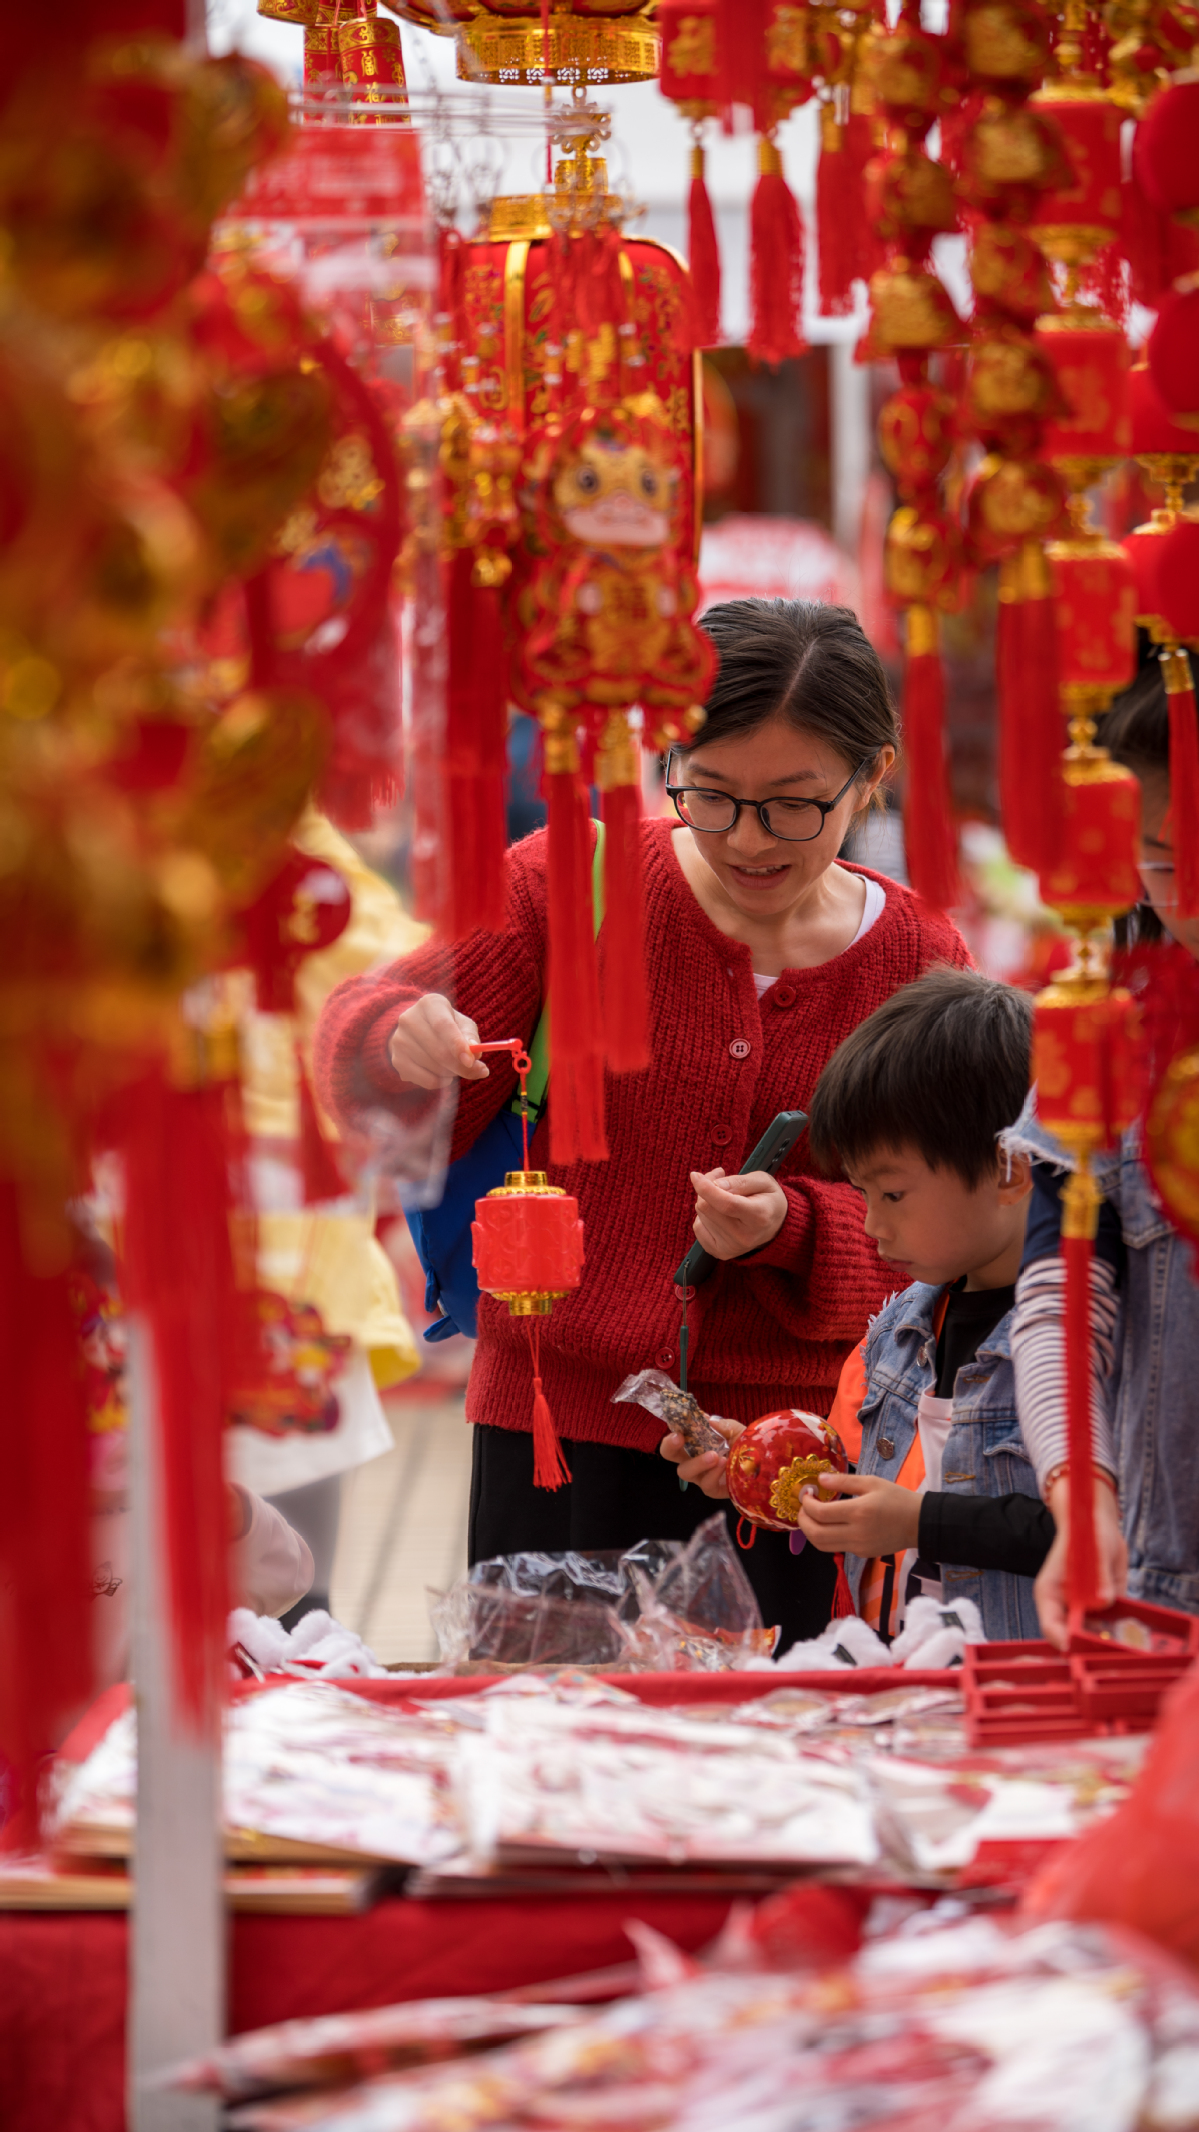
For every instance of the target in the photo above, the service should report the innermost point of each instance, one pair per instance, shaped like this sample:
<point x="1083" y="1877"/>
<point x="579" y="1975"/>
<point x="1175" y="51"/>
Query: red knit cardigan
<point x="768" y="1330"/>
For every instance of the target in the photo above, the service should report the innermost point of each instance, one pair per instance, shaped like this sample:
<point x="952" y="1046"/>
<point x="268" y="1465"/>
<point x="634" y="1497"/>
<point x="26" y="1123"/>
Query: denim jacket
<point x="1155" y="1382"/>
<point x="984" y="1452"/>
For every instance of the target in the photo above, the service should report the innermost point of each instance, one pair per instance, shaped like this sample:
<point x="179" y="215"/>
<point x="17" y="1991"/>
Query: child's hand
<point x="734" y="1215"/>
<point x="1049" y="1591"/>
<point x="879" y="1518"/>
<point x="708" y="1470"/>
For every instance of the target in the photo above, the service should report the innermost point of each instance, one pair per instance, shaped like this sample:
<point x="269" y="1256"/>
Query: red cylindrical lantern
<point x="774" y="1459"/>
<point x="372" y="62"/>
<point x="528" y="1243"/>
<point x="1176" y="579"/>
<point x="1095" y="876"/>
<point x="1075" y="220"/>
<point x="689" y="63"/>
<point x="1090" y="359"/>
<point x="1165" y="150"/>
<point x="1088" y="1060"/>
<point x="1096" y="603"/>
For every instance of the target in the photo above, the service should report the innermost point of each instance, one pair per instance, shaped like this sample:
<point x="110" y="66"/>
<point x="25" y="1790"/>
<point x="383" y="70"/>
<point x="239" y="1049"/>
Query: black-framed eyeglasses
<point x="795" y="821"/>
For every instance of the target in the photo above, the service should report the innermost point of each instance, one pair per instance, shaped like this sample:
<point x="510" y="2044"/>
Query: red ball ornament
<point x="1155" y="433"/>
<point x="1164" y="148"/>
<point x="528" y="1243"/>
<point x="1174" y="355"/>
<point x="776" y="1457"/>
<point x="1176" y="579"/>
<point x="1143" y="547"/>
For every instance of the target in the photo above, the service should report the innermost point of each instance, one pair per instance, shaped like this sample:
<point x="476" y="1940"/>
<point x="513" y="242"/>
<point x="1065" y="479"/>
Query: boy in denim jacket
<point x="944" y="1500"/>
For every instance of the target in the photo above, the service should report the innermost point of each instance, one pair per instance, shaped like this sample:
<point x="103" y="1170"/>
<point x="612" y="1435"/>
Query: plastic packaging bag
<point x="1140" y="1866"/>
<point x="662" y="1605"/>
<point x="661" y="1396"/>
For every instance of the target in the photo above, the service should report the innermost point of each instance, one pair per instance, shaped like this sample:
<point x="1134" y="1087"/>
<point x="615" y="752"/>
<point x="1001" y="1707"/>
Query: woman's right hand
<point x="431" y="1042"/>
<point x="708" y="1470"/>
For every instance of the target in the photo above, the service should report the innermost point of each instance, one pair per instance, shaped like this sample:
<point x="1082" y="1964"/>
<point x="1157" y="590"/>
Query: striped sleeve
<point x="1039" y="1362"/>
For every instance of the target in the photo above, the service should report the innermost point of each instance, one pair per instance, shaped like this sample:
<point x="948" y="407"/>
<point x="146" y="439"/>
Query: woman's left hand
<point x="734" y="1215"/>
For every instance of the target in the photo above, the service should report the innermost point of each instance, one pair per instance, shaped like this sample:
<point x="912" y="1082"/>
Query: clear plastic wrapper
<point x="662" y="1397"/>
<point x="663" y="1605"/>
<point x="942" y="2025"/>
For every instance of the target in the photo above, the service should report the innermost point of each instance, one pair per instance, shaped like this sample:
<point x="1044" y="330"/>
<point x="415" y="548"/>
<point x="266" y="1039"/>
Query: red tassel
<point x="776" y="264"/>
<point x="45" y="1578"/>
<point x="626" y="997"/>
<point x="319" y="1167"/>
<point x="576" y="1041"/>
<point x="929" y="837"/>
<point x="179" y="1279"/>
<point x="1184" y="778"/>
<point x="550" y="1469"/>
<point x="1031" y="724"/>
<point x="842" y="1596"/>
<point x="836" y="214"/>
<point x="1082" y="1555"/>
<point x="475" y="754"/>
<point x="704" y="253"/>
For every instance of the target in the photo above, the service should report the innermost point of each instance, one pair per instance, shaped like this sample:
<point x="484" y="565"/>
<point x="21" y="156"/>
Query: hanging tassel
<point x="178" y="1278"/>
<point x="576" y="1040"/>
<point x="475" y="754"/>
<point x="704" y="254"/>
<point x="842" y="1596"/>
<point x="550" y="1469"/>
<point x="625" y="993"/>
<point x="929" y="838"/>
<point x="1184" y="778"/>
<point x="319" y="1169"/>
<point x="776" y="263"/>
<point x="1031" y="723"/>
<point x="836" y="217"/>
<point x="45" y="1576"/>
<point x="1080" y="1207"/>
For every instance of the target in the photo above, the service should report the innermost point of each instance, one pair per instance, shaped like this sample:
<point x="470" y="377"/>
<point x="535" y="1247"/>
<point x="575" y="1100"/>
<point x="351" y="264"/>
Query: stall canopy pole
<point x="177" y="1951"/>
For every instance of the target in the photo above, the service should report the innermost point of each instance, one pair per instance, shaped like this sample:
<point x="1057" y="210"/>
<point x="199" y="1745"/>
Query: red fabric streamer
<point x="1031" y="734"/>
<point x="929" y="837"/>
<point x="475" y="754"/>
<point x="842" y="1596"/>
<point x="576" y="1041"/>
<point x="45" y="1577"/>
<point x="1082" y="1572"/>
<point x="625" y="996"/>
<point x="704" y="255"/>
<point x="847" y="248"/>
<point x="550" y="1469"/>
<point x="1184" y="787"/>
<point x="178" y="1276"/>
<point x="776" y="265"/>
<point x="319" y="1169"/>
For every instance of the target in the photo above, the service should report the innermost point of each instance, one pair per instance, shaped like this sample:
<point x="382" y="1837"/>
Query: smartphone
<point x="770" y="1154"/>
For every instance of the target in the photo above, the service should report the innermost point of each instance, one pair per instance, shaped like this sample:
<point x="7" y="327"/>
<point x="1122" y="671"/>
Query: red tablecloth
<point x="62" y="1976"/>
<point x="62" y="1979"/>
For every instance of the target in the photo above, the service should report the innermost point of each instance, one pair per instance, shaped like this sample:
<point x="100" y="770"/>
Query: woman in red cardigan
<point x="763" y="952"/>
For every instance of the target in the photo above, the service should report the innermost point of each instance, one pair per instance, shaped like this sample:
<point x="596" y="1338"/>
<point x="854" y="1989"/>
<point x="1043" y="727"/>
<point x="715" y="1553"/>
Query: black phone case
<point x="770" y="1154"/>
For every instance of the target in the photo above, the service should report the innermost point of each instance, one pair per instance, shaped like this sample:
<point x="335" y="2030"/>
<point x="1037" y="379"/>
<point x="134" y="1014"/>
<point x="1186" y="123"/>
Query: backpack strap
<point x="539" y="1048"/>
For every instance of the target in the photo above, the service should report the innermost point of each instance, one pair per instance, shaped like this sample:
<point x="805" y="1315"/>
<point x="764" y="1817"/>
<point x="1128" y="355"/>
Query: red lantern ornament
<point x="1165" y="148"/>
<point x="528" y="1253"/>
<point x="1089" y="356"/>
<point x="1096" y="605"/>
<point x="372" y="63"/>
<point x="775" y="1459"/>
<point x="1177" y="579"/>
<point x="1075" y="220"/>
<point x="1173" y="352"/>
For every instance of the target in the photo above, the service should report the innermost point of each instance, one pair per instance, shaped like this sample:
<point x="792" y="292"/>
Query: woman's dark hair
<point x="941" y="1066"/>
<point x="1136" y="730"/>
<point x="809" y="663"/>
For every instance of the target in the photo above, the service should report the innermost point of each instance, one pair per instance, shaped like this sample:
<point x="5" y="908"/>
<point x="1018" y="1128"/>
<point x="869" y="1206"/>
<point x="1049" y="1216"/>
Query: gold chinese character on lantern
<point x="787" y="41"/>
<point x="693" y="50"/>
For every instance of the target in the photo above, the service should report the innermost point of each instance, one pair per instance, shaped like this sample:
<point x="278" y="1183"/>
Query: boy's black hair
<point x="941" y="1066"/>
